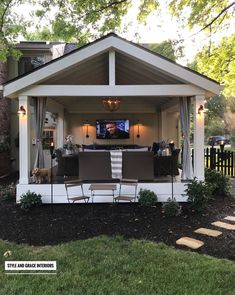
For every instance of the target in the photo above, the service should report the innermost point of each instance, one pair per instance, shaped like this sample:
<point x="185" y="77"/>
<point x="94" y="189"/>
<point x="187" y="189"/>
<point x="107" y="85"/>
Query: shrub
<point x="29" y="200"/>
<point x="147" y="198"/>
<point x="4" y="143"/>
<point x="199" y="193"/>
<point x="171" y="208"/>
<point x="221" y="184"/>
<point x="7" y="192"/>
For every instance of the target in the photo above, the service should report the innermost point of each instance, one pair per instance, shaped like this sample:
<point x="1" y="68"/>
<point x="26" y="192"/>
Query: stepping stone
<point x="208" y="232"/>
<point x="189" y="242"/>
<point x="230" y="218"/>
<point x="224" y="225"/>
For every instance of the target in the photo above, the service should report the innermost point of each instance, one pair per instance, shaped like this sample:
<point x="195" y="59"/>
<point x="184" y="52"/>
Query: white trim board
<point x="113" y="90"/>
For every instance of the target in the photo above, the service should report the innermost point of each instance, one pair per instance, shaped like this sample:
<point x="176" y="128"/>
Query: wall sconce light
<point x="201" y="109"/>
<point x="21" y="112"/>
<point x="87" y="128"/>
<point x="138" y="129"/>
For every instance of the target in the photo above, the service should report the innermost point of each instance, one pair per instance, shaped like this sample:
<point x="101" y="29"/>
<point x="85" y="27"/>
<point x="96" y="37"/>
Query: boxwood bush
<point x="221" y="184"/>
<point x="199" y="193"/>
<point x="30" y="200"/>
<point x="147" y="198"/>
<point x="171" y="208"/>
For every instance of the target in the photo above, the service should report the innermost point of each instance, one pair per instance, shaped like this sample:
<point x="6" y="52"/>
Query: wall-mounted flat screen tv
<point x="112" y="129"/>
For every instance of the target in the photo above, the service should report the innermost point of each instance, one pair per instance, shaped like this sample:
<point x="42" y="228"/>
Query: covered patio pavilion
<point x="152" y="89"/>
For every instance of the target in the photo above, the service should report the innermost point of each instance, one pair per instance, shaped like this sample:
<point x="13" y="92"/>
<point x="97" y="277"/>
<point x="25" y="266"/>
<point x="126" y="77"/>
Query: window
<point x="48" y="138"/>
<point x="28" y="63"/>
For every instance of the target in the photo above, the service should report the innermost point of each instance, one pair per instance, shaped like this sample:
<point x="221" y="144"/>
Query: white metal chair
<point x="127" y="190"/>
<point x="78" y="196"/>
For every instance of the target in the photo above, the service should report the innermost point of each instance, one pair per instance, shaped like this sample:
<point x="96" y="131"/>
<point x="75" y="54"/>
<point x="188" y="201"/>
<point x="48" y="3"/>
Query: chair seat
<point x="124" y="198"/>
<point x="78" y="198"/>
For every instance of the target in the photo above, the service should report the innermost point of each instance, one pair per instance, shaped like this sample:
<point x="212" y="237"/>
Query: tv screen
<point x="112" y="129"/>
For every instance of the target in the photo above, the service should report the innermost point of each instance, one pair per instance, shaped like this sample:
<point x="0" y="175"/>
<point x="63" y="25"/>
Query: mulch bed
<point x="59" y="223"/>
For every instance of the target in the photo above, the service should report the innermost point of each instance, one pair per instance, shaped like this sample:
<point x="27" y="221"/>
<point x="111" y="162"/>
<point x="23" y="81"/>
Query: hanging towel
<point x="116" y="164"/>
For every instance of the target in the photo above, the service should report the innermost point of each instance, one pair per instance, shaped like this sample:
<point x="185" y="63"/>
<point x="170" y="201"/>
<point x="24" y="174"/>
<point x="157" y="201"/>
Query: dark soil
<point x="55" y="224"/>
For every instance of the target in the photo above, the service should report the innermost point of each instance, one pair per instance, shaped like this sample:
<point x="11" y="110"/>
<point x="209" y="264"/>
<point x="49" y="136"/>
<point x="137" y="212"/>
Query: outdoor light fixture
<point x="21" y="112"/>
<point x="87" y="128"/>
<point x="222" y="143"/>
<point x="52" y="148"/>
<point x="138" y="129"/>
<point x="111" y="104"/>
<point x="200" y="109"/>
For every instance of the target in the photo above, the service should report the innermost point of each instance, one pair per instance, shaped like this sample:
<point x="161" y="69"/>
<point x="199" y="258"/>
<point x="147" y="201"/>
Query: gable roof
<point x="104" y="44"/>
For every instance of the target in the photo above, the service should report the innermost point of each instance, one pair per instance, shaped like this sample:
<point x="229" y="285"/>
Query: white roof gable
<point x="105" y="44"/>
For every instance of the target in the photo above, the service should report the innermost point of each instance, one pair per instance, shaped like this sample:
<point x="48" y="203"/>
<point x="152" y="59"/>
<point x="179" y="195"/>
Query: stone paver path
<point x="189" y="242"/>
<point x="208" y="232"/>
<point x="230" y="218"/>
<point x="224" y="225"/>
<point x="195" y="244"/>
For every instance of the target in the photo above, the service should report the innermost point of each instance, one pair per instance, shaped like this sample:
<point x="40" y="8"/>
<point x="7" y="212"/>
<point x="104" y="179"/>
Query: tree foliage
<point x="216" y="106"/>
<point x="72" y="20"/>
<point x="220" y="116"/>
<point x="81" y="21"/>
<point x="210" y="15"/>
<point x="168" y="48"/>
<point x="218" y="63"/>
<point x="215" y="60"/>
<point x="11" y="25"/>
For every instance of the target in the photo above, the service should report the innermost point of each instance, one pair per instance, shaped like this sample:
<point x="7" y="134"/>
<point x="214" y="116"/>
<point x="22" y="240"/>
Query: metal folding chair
<point x="127" y="190"/>
<point x="78" y="196"/>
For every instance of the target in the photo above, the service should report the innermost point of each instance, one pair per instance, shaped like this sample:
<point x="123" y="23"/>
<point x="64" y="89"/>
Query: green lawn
<point x="116" y="266"/>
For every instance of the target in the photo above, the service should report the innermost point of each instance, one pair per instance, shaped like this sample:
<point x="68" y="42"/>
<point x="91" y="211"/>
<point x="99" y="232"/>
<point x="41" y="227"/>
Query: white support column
<point x="112" y="78"/>
<point x="199" y="170"/>
<point x="24" y="136"/>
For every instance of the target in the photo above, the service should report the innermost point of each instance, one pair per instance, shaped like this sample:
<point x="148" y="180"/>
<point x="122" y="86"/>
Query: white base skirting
<point x="163" y="191"/>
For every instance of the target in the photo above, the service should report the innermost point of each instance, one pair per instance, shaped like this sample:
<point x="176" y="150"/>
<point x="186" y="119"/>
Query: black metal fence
<point x="219" y="160"/>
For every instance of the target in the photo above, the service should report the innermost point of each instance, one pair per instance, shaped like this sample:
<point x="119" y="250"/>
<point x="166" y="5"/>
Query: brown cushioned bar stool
<point x="131" y="195"/>
<point x="75" y="197"/>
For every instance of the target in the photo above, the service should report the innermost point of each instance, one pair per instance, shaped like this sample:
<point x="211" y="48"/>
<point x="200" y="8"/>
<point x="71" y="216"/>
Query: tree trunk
<point x="5" y="108"/>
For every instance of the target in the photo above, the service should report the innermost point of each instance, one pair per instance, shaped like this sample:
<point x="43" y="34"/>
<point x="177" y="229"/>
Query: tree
<point x="209" y="15"/>
<point x="219" y="119"/>
<point x="82" y="21"/>
<point x="11" y="25"/>
<point x="218" y="63"/>
<point x="168" y="48"/>
<point x="214" y="119"/>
